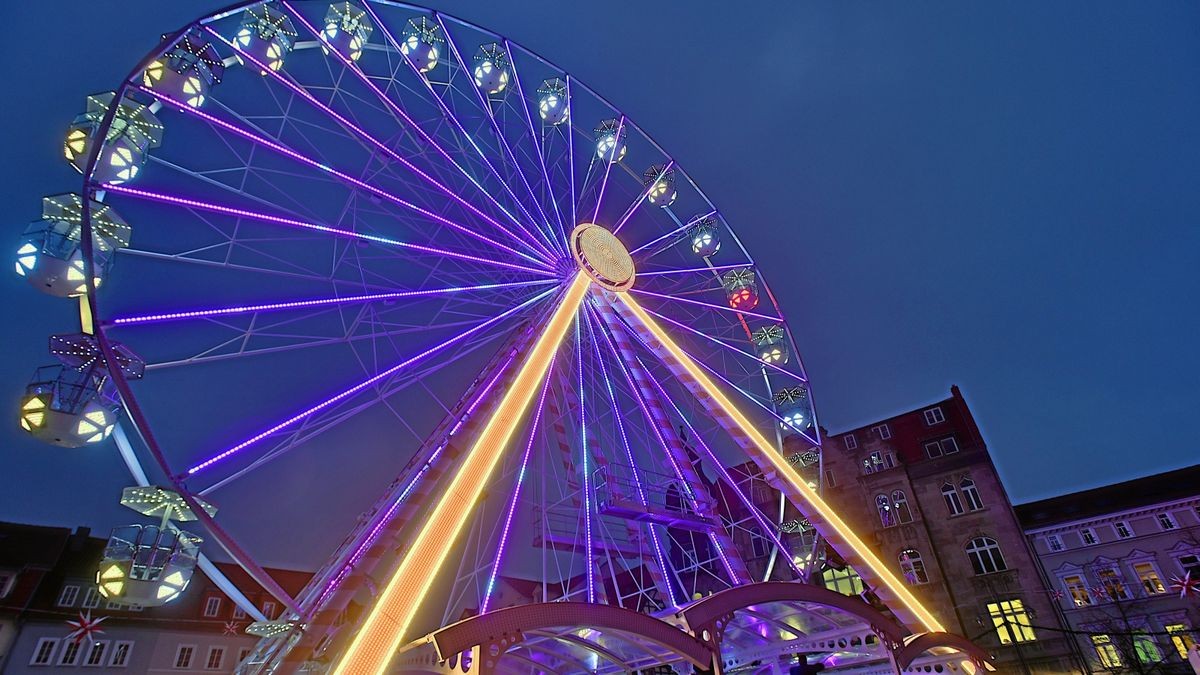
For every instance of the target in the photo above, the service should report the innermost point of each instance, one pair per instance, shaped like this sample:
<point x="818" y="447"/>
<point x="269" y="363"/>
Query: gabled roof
<point x="1131" y="494"/>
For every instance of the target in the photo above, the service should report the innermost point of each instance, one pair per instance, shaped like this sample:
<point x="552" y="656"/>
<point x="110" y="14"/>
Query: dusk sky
<point x="997" y="195"/>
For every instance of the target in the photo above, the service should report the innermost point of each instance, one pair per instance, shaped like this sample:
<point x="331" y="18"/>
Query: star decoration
<point x="1185" y="585"/>
<point x="232" y="628"/>
<point x="85" y="628"/>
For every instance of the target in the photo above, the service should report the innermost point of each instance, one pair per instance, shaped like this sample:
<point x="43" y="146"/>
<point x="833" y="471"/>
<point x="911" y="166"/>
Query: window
<point x="946" y="446"/>
<point x="212" y="606"/>
<point x="1109" y="657"/>
<point x="95" y="655"/>
<point x="91" y="598"/>
<point x="1078" y="590"/>
<point x="1166" y="521"/>
<point x="1145" y="649"/>
<point x="1181" y="638"/>
<point x="850" y="441"/>
<point x="953" y="503"/>
<point x="1011" y="621"/>
<point x="882" y="432"/>
<point x="269" y="607"/>
<point x="183" y="656"/>
<point x="844" y="581"/>
<point x="912" y="567"/>
<point x="971" y="494"/>
<point x="873" y="463"/>
<point x="1112" y="583"/>
<point x="1088" y="535"/>
<point x="1151" y="582"/>
<point x="758" y="548"/>
<point x="43" y="653"/>
<point x="884" y="506"/>
<point x="1190" y="564"/>
<point x="1054" y="542"/>
<point x="120" y="654"/>
<point x="70" y="653"/>
<point x="216" y="657"/>
<point x="67" y="597"/>
<point x="900" y="507"/>
<point x="829" y="481"/>
<point x="985" y="555"/>
<point x="238" y="612"/>
<point x="113" y="604"/>
<point x="243" y="653"/>
<point x="1122" y="529"/>
<point x="934" y="416"/>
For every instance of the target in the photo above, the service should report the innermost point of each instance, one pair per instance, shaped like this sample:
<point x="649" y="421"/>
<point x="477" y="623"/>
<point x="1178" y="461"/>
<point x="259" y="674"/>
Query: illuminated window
<point x="1109" y="656"/>
<point x="1112" y="583"/>
<point x="845" y="581"/>
<point x="912" y="567"/>
<point x="1088" y="535"/>
<point x="1181" y="638"/>
<point x="971" y="494"/>
<point x="1145" y="648"/>
<point x="1122" y="529"/>
<point x="1077" y="589"/>
<point x="934" y="416"/>
<point x="953" y="501"/>
<point x="1054" y="542"/>
<point x="985" y="555"/>
<point x="1011" y="621"/>
<point x="884" y="506"/>
<point x="1148" y="575"/>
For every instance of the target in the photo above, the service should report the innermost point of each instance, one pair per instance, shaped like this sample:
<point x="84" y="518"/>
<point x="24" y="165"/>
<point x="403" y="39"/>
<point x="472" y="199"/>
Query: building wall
<point x="1138" y="554"/>
<point x="889" y="460"/>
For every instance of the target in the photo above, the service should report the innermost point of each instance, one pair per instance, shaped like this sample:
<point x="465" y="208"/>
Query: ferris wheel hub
<point x="602" y="257"/>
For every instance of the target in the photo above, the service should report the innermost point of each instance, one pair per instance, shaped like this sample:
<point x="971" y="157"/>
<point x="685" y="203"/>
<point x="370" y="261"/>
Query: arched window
<point x="884" y="506"/>
<point x="900" y="507"/>
<point x="971" y="494"/>
<point x="985" y="555"/>
<point x="953" y="501"/>
<point x="912" y="567"/>
<point x="758" y="543"/>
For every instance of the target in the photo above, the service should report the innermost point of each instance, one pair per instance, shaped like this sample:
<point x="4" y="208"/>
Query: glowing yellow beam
<point x="382" y="632"/>
<point x="838" y="531"/>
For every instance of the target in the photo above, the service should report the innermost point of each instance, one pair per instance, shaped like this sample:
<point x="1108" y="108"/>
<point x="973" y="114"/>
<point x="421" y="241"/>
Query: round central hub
<point x="602" y="257"/>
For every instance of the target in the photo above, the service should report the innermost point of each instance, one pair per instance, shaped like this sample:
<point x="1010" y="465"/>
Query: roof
<point x="1131" y="494"/>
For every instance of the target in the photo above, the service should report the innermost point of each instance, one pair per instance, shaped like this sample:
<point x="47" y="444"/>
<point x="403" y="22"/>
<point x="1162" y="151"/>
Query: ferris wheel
<point x="368" y="284"/>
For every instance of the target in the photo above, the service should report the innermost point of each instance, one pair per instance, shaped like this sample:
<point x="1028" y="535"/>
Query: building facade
<point x="921" y="488"/>
<point x="48" y="576"/>
<point x="1113" y="558"/>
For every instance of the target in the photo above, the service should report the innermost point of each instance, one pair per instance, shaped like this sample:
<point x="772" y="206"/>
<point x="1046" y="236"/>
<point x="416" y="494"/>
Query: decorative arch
<point x="926" y="641"/>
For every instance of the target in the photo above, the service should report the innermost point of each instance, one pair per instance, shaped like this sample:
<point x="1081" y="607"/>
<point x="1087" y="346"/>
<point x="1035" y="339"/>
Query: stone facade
<point x="1111" y="556"/>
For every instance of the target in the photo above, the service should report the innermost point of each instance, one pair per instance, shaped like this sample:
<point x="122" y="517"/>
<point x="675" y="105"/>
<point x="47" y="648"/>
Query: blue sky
<point x="996" y="195"/>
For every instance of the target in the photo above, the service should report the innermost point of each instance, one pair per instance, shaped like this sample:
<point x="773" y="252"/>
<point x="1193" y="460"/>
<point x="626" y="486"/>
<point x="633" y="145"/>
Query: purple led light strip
<point x="292" y="222"/>
<point x="726" y="345"/>
<point x="366" y="136"/>
<point x="389" y="103"/>
<point x="360" y="386"/>
<point x="612" y="399"/>
<point x="710" y="305"/>
<point x="608" y="167"/>
<point x="284" y="150"/>
<point x="317" y="302"/>
<point x="486" y="104"/>
<point x="675" y="231"/>
<point x="627" y="371"/>
<point x="516" y="495"/>
<point x="366" y="543"/>
<point x="642" y="197"/>
<point x="587" y="477"/>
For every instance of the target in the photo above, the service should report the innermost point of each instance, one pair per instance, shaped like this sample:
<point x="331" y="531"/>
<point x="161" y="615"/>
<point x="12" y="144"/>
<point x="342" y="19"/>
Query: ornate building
<point x="921" y="487"/>
<point x="1115" y="559"/>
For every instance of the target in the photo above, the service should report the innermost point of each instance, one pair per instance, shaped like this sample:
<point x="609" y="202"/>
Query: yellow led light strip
<point x="876" y="572"/>
<point x="381" y="634"/>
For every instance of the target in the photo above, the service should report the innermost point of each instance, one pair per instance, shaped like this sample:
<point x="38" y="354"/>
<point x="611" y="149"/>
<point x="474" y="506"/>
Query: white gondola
<point x="704" y="237"/>
<point x="552" y="102"/>
<point x="187" y="71"/>
<point x="347" y="29"/>
<point x="50" y="253"/>
<point x="610" y="141"/>
<point x="266" y="35"/>
<point x="660" y="185"/>
<point x="134" y="131"/>
<point x="420" y="44"/>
